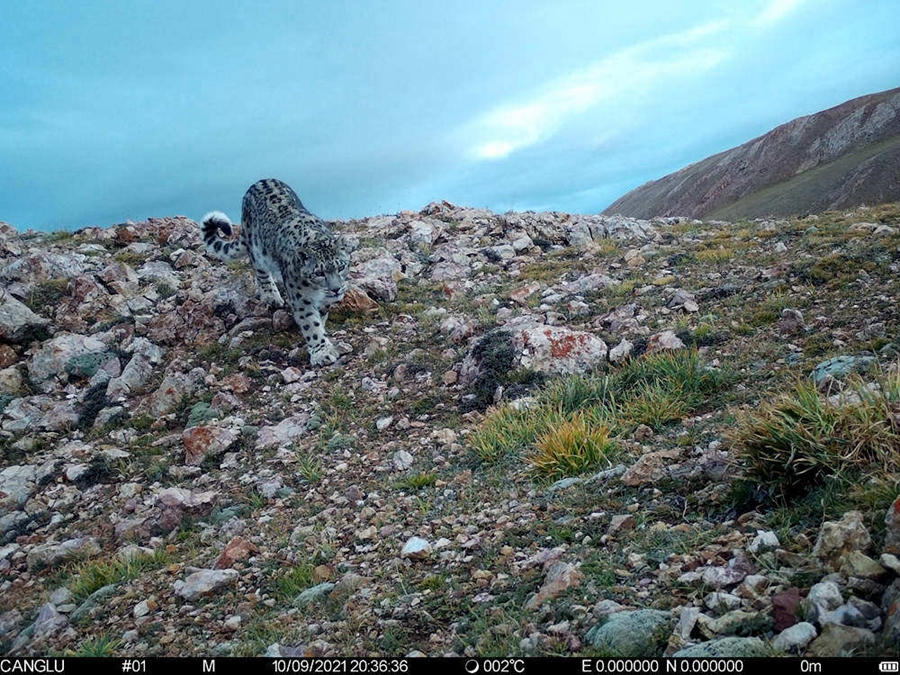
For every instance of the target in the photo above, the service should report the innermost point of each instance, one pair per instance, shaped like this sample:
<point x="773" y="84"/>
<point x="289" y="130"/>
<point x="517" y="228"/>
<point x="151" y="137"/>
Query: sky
<point x="115" y="111"/>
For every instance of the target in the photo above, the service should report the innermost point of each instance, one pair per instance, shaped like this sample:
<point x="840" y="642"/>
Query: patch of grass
<point x="803" y="439"/>
<point x="714" y="255"/>
<point x="99" y="647"/>
<point x="656" y="405"/>
<point x="294" y="581"/>
<point x="416" y="481"/>
<point x="507" y="432"/>
<point x="571" y="448"/>
<point x="90" y="575"/>
<point x="654" y="389"/>
<point x="309" y="467"/>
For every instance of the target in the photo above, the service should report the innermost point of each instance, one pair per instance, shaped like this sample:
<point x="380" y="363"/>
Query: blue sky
<point x="122" y="110"/>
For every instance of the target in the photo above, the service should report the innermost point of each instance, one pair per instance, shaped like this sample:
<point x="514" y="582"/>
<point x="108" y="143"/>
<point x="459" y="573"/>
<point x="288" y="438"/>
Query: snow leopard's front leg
<point x="268" y="291"/>
<point x="305" y="309"/>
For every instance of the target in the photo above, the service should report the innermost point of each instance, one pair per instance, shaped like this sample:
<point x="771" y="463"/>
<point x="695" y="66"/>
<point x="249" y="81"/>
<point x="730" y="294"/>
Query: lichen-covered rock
<point x="637" y="633"/>
<point x="49" y="362"/>
<point x="205" y="441"/>
<point x="728" y="647"/>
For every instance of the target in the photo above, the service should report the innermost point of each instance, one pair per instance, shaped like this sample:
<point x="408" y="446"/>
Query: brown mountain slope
<point x="840" y="157"/>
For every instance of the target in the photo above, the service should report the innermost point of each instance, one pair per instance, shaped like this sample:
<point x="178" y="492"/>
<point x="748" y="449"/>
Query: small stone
<point x="728" y="647"/>
<point x="763" y="541"/>
<point x="416" y="548"/>
<point x="837" y="640"/>
<point x="665" y="340"/>
<point x="402" y="460"/>
<point x="291" y="374"/>
<point x="823" y="597"/>
<point x="891" y="562"/>
<point x="892" y="524"/>
<point x="621" y="523"/>
<point x="450" y="377"/>
<point x="836" y="539"/>
<point x="856" y="564"/>
<point x="793" y="640"/>
<point x="204" y="582"/>
<point x="621" y="351"/>
<point x="560" y="577"/>
<point x="791" y="321"/>
<point x="384" y="422"/>
<point x="784" y="608"/>
<point x="233" y="622"/>
<point x="235" y="550"/>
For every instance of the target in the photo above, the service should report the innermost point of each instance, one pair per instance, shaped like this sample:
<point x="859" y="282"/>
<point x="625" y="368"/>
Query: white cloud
<point x="775" y="11"/>
<point x="614" y="80"/>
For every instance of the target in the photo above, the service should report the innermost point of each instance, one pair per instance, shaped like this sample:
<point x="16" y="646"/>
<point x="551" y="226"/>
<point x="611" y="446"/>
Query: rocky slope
<point x="176" y="480"/>
<point x="841" y="157"/>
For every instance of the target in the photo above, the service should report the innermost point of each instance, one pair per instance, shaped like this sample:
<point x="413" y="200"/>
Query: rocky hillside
<point x="838" y="158"/>
<point x="547" y="434"/>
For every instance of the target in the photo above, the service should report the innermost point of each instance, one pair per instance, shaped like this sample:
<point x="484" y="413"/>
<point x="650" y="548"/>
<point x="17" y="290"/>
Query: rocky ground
<point x="176" y="480"/>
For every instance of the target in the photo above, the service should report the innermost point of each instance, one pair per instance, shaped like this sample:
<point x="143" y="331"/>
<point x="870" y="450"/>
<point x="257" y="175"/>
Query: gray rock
<point x="49" y="621"/>
<point x="17" y="484"/>
<point x="9" y="620"/>
<point x="52" y="554"/>
<point x="134" y="377"/>
<point x="734" y="647"/>
<point x="839" y="367"/>
<point x="50" y="360"/>
<point x="794" y="640"/>
<point x="892" y="525"/>
<point x="837" y="640"/>
<point x="823" y="597"/>
<point x="721" y="602"/>
<point x="890" y="608"/>
<point x="284" y="433"/>
<point x="737" y="622"/>
<point x="402" y="460"/>
<point x="641" y="632"/>
<point x="204" y="582"/>
<point x="84" y="609"/>
<point x="621" y="351"/>
<point x="836" y="539"/>
<point x="763" y="541"/>
<point x="17" y="322"/>
<point x="416" y="548"/>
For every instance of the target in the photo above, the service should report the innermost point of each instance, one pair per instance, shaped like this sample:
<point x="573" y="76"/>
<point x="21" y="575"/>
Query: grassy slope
<point x="815" y="190"/>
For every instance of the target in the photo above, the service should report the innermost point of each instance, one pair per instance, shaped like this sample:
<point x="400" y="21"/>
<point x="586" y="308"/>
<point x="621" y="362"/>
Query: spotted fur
<point x="286" y="244"/>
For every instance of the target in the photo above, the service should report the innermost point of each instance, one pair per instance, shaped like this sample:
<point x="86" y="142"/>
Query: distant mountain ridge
<point x="838" y="158"/>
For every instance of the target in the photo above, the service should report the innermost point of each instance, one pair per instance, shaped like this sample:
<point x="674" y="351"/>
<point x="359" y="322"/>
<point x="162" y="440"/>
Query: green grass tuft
<point x="805" y="439"/>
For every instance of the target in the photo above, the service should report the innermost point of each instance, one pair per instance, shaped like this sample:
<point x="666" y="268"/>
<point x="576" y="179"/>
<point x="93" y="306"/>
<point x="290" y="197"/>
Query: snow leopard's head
<point x="327" y="267"/>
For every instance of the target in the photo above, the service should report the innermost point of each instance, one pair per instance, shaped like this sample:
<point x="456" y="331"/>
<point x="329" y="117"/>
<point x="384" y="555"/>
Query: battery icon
<point x="889" y="666"/>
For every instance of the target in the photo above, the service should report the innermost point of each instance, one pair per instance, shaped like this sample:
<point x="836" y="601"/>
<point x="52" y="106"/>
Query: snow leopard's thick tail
<point x="216" y="245"/>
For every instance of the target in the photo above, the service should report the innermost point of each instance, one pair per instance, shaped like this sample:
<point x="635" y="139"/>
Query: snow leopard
<point x="288" y="244"/>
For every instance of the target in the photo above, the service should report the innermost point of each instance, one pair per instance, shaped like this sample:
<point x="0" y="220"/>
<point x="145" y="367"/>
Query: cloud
<point x="775" y="11"/>
<point x="623" y="75"/>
